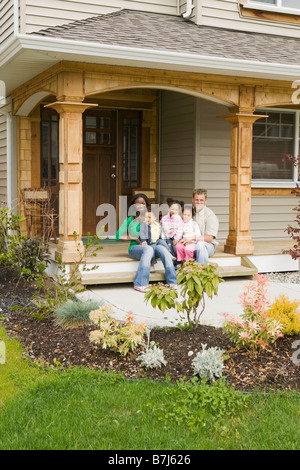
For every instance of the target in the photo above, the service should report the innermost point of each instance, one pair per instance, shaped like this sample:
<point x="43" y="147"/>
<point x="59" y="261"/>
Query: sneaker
<point x="142" y="289"/>
<point x="174" y="286"/>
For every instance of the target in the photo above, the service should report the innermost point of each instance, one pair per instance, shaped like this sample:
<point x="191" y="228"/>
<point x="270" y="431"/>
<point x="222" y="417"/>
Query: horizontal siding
<point x="39" y="15"/>
<point x="270" y="216"/>
<point x="6" y="21"/>
<point x="213" y="160"/>
<point x="225" y="14"/>
<point x="177" y="146"/>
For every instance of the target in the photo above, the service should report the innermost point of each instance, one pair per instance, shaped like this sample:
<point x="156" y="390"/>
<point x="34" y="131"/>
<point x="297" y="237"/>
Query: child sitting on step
<point x="185" y="249"/>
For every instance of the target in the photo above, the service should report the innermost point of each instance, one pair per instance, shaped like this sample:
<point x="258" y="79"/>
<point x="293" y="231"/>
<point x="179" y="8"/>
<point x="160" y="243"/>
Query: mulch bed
<point x="48" y="343"/>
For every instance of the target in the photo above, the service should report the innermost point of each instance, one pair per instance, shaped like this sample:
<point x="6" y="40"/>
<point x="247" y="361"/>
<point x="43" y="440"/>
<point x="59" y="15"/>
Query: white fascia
<point x="138" y="57"/>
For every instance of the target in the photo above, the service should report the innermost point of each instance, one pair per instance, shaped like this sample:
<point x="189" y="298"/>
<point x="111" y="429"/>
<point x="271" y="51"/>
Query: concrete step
<point x="244" y="269"/>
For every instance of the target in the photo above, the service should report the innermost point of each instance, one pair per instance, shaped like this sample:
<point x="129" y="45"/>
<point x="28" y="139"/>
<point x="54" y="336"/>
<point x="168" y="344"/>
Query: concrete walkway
<point x="124" y="298"/>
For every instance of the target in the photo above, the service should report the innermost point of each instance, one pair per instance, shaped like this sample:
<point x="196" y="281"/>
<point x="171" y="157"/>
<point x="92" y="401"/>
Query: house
<point x="98" y="98"/>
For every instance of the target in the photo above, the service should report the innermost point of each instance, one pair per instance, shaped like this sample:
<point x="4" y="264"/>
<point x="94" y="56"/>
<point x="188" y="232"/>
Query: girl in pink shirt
<point x="185" y="249"/>
<point x="172" y="225"/>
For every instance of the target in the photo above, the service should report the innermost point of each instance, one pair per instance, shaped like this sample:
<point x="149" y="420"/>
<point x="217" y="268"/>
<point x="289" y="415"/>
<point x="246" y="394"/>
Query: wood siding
<point x="226" y="14"/>
<point x="6" y="21"/>
<point x="213" y="160"/>
<point x="270" y="215"/>
<point x="38" y="15"/>
<point x="177" y="146"/>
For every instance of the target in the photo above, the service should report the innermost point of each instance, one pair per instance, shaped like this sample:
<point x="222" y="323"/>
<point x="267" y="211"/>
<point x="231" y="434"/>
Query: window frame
<point x="268" y="183"/>
<point x="255" y="4"/>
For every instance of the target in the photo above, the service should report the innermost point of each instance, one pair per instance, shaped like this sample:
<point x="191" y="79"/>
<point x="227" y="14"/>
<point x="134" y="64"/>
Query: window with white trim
<point x="275" y="140"/>
<point x="281" y="4"/>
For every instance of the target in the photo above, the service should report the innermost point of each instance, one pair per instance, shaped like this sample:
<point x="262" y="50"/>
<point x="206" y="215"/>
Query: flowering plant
<point x="118" y="336"/>
<point x="255" y="329"/>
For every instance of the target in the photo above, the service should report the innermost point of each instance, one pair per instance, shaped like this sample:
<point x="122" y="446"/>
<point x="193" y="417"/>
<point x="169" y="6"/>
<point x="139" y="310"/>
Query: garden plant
<point x="196" y="282"/>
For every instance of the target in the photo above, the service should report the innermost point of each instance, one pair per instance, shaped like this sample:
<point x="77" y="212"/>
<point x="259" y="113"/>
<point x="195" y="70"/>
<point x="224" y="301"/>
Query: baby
<point x="185" y="249"/>
<point x="150" y="231"/>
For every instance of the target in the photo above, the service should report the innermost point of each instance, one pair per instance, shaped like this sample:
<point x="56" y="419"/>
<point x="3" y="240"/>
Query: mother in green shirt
<point x="130" y="230"/>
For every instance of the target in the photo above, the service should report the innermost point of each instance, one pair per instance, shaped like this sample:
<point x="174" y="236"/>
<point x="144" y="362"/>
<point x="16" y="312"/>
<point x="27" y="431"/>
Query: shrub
<point x="121" y="337"/>
<point x="75" y="313"/>
<point x="254" y="330"/>
<point x="286" y="312"/>
<point x="29" y="256"/>
<point x="196" y="281"/>
<point x="209" y="363"/>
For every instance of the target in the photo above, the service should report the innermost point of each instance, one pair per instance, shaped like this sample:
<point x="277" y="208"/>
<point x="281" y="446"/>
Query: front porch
<point x="114" y="266"/>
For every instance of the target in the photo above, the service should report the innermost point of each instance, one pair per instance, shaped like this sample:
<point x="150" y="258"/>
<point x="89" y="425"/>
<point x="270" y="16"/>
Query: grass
<point x="86" y="409"/>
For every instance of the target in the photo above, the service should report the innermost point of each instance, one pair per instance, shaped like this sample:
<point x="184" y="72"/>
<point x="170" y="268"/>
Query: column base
<point x="239" y="245"/>
<point x="70" y="251"/>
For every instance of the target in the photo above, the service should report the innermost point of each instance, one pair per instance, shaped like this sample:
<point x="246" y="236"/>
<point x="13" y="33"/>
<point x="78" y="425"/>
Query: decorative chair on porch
<point x="38" y="213"/>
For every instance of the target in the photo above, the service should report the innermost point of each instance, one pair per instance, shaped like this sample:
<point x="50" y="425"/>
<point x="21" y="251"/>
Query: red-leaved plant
<point x="253" y="330"/>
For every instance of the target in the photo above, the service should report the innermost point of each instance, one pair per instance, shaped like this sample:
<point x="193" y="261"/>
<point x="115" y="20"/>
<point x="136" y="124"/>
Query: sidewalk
<point x="124" y="298"/>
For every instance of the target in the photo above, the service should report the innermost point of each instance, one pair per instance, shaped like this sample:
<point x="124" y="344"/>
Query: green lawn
<point x="85" y="409"/>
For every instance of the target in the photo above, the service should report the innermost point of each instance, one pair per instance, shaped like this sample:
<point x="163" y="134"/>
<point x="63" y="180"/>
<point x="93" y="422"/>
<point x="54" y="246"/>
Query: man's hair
<point x="200" y="191"/>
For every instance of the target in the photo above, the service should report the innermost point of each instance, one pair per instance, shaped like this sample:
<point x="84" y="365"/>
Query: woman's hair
<point x="143" y="196"/>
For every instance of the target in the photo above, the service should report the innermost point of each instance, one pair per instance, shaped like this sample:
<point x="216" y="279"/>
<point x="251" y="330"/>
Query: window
<point x="49" y="147"/>
<point x="280" y="4"/>
<point x="130" y="128"/>
<point x="275" y="138"/>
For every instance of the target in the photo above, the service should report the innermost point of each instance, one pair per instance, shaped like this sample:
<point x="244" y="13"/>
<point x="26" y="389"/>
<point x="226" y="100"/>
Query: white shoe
<point x="142" y="289"/>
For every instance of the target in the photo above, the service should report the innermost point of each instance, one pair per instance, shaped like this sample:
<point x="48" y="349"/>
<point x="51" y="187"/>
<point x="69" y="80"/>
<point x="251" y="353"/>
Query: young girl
<point x="172" y="225"/>
<point x="150" y="231"/>
<point x="185" y="249"/>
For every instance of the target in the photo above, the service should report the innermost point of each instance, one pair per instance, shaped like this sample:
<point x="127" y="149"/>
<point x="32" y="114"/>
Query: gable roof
<point x="143" y="30"/>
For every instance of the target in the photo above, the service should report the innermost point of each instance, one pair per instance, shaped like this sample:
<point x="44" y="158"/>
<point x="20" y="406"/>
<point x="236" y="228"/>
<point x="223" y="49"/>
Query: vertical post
<point x="70" y="178"/>
<point x="239" y="240"/>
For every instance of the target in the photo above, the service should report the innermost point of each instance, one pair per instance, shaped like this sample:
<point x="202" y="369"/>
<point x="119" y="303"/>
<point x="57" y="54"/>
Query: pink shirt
<point x="172" y="226"/>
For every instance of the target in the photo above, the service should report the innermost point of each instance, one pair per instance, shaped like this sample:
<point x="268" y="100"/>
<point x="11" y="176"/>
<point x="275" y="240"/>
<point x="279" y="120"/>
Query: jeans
<point x="145" y="255"/>
<point x="203" y="251"/>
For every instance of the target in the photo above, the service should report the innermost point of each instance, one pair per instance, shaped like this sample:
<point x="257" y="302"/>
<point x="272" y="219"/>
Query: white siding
<point x="213" y="160"/>
<point x="6" y="21"/>
<point x="177" y="147"/>
<point x="40" y="14"/>
<point x="270" y="216"/>
<point x="226" y="14"/>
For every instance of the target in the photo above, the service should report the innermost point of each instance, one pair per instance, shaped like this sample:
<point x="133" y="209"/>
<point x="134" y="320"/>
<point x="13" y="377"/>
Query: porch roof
<point x="144" y="30"/>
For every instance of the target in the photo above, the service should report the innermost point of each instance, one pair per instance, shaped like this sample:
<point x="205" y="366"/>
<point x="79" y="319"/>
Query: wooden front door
<point x="99" y="166"/>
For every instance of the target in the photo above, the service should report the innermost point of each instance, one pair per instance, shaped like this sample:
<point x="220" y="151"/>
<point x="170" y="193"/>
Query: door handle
<point x="113" y="176"/>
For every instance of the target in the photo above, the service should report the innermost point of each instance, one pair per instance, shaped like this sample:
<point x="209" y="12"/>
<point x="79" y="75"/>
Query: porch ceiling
<point x="149" y="40"/>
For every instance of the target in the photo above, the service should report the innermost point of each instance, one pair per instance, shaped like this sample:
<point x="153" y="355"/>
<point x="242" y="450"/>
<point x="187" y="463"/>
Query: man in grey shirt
<point x="208" y="224"/>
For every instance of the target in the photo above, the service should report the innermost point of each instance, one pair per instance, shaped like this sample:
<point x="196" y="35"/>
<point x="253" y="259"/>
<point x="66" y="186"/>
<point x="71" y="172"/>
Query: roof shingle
<point x="136" y="29"/>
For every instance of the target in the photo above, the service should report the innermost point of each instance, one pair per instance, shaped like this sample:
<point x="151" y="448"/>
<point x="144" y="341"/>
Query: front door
<point x="111" y="164"/>
<point x="99" y="166"/>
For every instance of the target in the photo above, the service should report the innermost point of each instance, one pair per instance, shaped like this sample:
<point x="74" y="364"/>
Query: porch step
<point x="244" y="269"/>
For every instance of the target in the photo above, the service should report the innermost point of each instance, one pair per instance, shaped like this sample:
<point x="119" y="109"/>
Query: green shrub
<point x="72" y="313"/>
<point x="29" y="256"/>
<point x="197" y="281"/>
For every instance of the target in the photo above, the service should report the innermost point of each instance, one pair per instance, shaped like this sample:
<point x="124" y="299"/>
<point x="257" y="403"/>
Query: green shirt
<point x="132" y="227"/>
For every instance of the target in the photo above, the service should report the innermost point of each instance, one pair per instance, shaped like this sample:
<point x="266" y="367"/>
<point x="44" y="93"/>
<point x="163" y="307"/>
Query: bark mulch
<point x="46" y="342"/>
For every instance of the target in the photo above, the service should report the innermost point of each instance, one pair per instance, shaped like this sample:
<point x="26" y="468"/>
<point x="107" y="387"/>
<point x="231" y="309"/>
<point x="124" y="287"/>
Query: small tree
<point x="197" y="281"/>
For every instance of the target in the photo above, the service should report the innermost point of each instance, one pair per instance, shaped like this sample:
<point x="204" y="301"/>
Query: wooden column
<point x="70" y="178"/>
<point x="239" y="240"/>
